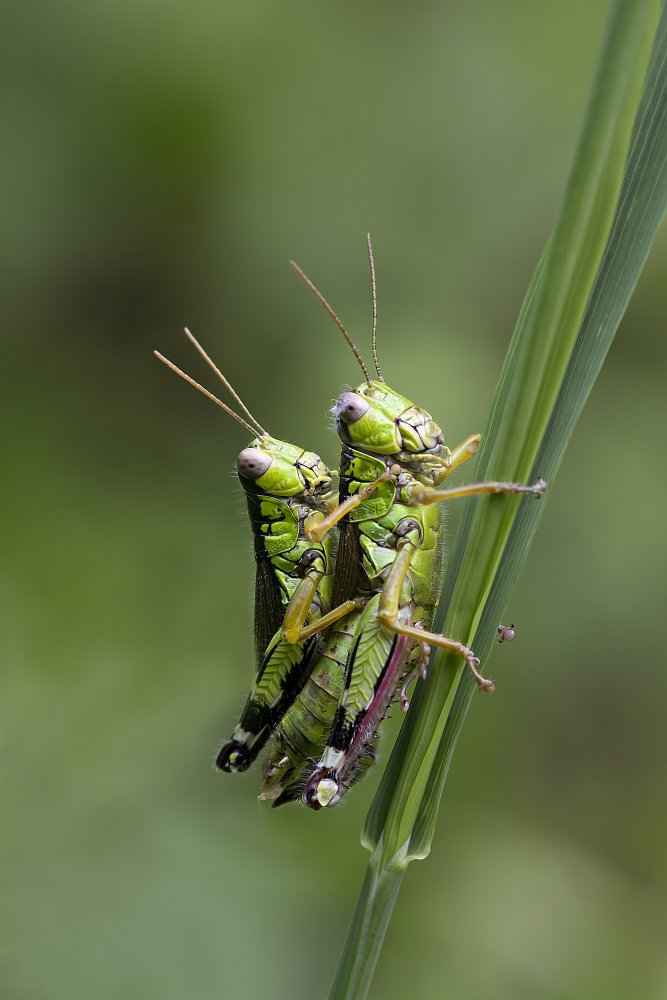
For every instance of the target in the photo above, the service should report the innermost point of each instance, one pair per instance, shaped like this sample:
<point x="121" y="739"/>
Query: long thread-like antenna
<point x="193" y="340"/>
<point x="318" y="295"/>
<point x="214" y="399"/>
<point x="374" y="299"/>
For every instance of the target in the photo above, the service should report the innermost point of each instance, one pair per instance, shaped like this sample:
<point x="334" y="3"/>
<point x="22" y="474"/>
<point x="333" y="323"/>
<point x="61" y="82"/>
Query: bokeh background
<point x="161" y="163"/>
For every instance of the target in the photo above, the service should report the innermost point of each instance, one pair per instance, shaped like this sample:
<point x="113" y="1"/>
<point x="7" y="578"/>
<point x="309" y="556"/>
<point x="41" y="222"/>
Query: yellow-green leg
<point x="388" y="615"/>
<point x="460" y="455"/>
<point x="317" y="526"/>
<point x="294" y="629"/>
<point x="299" y="606"/>
<point x="426" y="494"/>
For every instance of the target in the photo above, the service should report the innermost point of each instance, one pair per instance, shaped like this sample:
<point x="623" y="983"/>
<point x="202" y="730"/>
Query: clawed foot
<point x="483" y="683"/>
<point x="538" y="489"/>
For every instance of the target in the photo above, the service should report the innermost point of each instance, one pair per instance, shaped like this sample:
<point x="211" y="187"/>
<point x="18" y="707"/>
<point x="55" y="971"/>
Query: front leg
<point x="317" y="526"/>
<point x="465" y="450"/>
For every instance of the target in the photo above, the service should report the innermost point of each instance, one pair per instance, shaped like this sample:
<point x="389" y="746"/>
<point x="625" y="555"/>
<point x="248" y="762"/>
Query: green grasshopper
<point x="284" y="486"/>
<point x="390" y="553"/>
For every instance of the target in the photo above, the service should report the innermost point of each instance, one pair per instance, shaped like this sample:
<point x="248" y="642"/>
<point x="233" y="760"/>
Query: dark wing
<point x="269" y="608"/>
<point x="269" y="600"/>
<point x="347" y="572"/>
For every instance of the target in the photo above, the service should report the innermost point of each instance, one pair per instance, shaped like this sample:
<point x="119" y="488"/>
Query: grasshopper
<point x="284" y="486"/>
<point x="390" y="552"/>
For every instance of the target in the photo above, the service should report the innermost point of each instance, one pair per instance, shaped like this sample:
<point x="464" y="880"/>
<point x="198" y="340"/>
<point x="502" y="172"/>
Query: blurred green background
<point x="161" y="164"/>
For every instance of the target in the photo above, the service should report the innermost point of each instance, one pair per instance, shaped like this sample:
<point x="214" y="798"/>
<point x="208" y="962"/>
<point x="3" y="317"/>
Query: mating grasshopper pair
<point x="347" y="584"/>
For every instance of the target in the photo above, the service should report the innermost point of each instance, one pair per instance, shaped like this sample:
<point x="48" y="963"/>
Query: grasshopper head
<point x="377" y="419"/>
<point x="281" y="469"/>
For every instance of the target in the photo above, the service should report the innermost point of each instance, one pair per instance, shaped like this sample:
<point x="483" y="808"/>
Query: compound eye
<point x="253" y="463"/>
<point x="351" y="407"/>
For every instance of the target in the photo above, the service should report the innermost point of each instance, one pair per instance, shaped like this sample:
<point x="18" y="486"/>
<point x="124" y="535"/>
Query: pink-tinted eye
<point x="350" y="407"/>
<point x="252" y="463"/>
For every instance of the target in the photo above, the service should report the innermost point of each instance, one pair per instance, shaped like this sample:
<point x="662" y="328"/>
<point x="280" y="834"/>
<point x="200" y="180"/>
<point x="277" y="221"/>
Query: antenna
<point x="193" y="340"/>
<point x="318" y="295"/>
<point x="374" y="299"/>
<point x="214" y="399"/>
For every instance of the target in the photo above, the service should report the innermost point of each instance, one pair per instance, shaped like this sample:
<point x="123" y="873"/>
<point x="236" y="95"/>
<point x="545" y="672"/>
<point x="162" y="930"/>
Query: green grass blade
<point x="366" y="932"/>
<point x="523" y="419"/>
<point x="615" y="198"/>
<point x="642" y="205"/>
